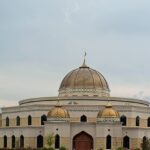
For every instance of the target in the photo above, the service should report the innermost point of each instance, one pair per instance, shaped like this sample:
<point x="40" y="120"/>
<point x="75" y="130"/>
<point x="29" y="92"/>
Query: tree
<point x="145" y="144"/>
<point x="50" y="139"/>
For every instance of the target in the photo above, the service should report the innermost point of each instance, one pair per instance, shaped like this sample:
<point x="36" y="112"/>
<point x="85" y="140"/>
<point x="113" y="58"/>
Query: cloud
<point x="72" y="8"/>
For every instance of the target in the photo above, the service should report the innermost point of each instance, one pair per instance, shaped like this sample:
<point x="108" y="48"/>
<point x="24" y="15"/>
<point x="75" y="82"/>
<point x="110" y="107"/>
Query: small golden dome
<point x="58" y="112"/>
<point x="108" y="112"/>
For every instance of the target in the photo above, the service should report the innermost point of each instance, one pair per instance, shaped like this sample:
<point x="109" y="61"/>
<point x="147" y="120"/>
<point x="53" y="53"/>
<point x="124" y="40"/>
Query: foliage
<point x="146" y="144"/>
<point x="50" y="140"/>
<point x="62" y="148"/>
<point x="137" y="149"/>
<point x="120" y="148"/>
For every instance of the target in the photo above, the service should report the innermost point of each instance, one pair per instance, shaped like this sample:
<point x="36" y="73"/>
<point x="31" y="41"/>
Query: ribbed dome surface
<point x="108" y="112"/>
<point x="58" y="112"/>
<point x="84" y="81"/>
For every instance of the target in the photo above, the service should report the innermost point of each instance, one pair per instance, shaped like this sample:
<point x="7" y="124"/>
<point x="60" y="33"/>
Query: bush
<point x="51" y="148"/>
<point x="120" y="148"/>
<point x="62" y="148"/>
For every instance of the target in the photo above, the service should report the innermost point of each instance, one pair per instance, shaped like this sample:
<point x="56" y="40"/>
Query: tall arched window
<point x="39" y="141"/>
<point x="13" y="142"/>
<point x="57" y="141"/>
<point x="5" y="141"/>
<point x="29" y="120"/>
<point x="126" y="142"/>
<point x="83" y="118"/>
<point x="7" y="121"/>
<point x="148" y="122"/>
<point x="17" y="121"/>
<point x="21" y="141"/>
<point x="108" y="142"/>
<point x="43" y="118"/>
<point x="137" y="121"/>
<point x="123" y="120"/>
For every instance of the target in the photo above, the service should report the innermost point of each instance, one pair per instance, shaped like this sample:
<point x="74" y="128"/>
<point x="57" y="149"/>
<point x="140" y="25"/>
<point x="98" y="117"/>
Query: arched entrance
<point x="82" y="141"/>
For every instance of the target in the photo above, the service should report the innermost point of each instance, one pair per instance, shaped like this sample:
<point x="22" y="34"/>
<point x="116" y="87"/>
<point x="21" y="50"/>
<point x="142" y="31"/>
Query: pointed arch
<point x="7" y="121"/>
<point x="43" y="118"/>
<point x="29" y="120"/>
<point x="39" y="141"/>
<point x="21" y="141"/>
<point x="126" y="142"/>
<point x="123" y="120"/>
<point x="108" y="142"/>
<point x="148" y="122"/>
<point x="17" y="121"/>
<point x="13" y="141"/>
<point x="137" y="121"/>
<point x="83" y="118"/>
<point x="57" y="141"/>
<point x="5" y="141"/>
<point x="82" y="140"/>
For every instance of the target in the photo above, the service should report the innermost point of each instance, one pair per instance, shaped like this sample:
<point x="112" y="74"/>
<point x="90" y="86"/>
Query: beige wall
<point x="65" y="141"/>
<point x="36" y="121"/>
<point x="100" y="143"/>
<point x="135" y="143"/>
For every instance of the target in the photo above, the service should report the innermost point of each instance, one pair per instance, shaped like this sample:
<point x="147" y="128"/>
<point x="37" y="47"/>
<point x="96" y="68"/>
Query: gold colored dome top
<point x="84" y="81"/>
<point x="108" y="112"/>
<point x="58" y="112"/>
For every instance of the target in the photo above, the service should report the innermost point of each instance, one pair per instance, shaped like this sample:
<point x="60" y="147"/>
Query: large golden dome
<point x="58" y="112"/>
<point x="108" y="112"/>
<point x="84" y="81"/>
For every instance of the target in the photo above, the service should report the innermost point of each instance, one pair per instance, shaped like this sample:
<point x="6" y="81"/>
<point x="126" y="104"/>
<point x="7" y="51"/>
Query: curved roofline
<point x="87" y="98"/>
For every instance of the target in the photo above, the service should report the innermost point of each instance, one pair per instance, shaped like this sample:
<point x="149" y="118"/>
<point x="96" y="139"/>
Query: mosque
<point x="82" y="117"/>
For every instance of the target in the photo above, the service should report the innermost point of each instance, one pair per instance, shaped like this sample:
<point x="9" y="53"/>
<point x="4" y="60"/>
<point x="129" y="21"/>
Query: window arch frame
<point x="108" y="142"/>
<point x="5" y="141"/>
<point x="17" y="121"/>
<point x="43" y="118"/>
<point x="29" y="120"/>
<point x="148" y="122"/>
<point x="83" y="118"/>
<point x="126" y="142"/>
<point x="21" y="141"/>
<point x="57" y="141"/>
<point x="13" y="141"/>
<point x="137" y="121"/>
<point x="7" y="121"/>
<point x="40" y="141"/>
<point x="123" y="120"/>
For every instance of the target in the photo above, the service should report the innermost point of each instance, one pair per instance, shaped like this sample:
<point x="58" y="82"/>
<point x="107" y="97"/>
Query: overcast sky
<point x="41" y="41"/>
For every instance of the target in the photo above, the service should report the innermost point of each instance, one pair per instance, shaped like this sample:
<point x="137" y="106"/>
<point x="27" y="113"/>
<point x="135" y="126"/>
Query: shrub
<point x="62" y="148"/>
<point x="120" y="148"/>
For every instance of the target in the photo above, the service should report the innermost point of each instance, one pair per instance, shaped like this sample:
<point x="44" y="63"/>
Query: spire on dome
<point x="84" y="64"/>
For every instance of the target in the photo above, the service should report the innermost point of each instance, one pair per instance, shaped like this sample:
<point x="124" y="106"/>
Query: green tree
<point x="145" y="144"/>
<point x="50" y="140"/>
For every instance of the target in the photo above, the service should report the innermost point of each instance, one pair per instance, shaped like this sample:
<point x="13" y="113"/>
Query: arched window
<point x="108" y="142"/>
<point x="17" y="121"/>
<point x="21" y="141"/>
<point x="43" y="118"/>
<point x="5" y="141"/>
<point x="148" y="122"/>
<point x="39" y="141"/>
<point x="7" y="121"/>
<point x="13" y="142"/>
<point x="126" y="142"/>
<point x="137" y="121"/>
<point x="29" y="120"/>
<point x="123" y="120"/>
<point x="83" y="118"/>
<point x="57" y="141"/>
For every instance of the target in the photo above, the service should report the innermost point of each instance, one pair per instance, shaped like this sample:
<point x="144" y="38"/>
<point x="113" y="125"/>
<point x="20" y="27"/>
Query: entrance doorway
<point x="83" y="141"/>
